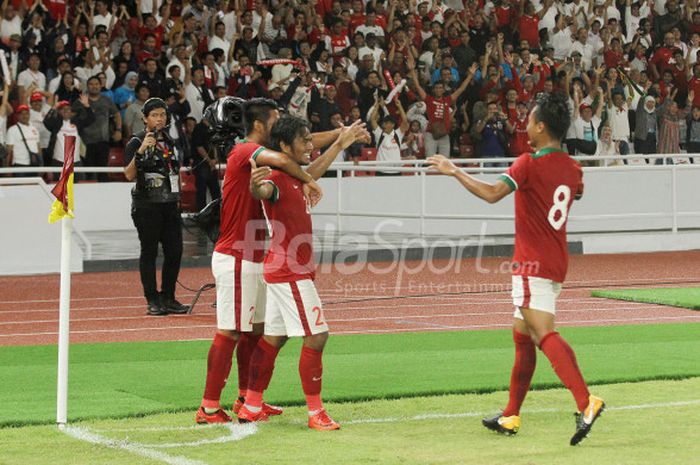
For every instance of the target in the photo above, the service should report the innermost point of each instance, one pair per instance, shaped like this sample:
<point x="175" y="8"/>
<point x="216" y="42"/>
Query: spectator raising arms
<point x="323" y="60"/>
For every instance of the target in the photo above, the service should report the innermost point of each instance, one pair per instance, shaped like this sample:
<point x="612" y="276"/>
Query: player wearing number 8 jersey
<point x="546" y="183"/>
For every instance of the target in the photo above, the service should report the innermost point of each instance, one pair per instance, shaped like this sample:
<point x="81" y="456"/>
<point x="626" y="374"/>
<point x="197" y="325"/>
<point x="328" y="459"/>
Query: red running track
<point x="463" y="295"/>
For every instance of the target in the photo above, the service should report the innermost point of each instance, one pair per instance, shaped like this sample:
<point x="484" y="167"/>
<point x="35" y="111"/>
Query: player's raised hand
<point x="313" y="193"/>
<point x="442" y="164"/>
<point x="258" y="175"/>
<point x="351" y="134"/>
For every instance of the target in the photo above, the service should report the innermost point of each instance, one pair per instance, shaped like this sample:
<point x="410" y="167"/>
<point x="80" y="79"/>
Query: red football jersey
<point x="290" y="256"/>
<point x="242" y="231"/>
<point x="546" y="184"/>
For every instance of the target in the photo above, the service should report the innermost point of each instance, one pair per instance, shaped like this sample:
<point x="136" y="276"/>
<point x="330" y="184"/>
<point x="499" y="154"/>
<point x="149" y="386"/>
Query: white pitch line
<point x="593" y="282"/>
<point x="432" y="315"/>
<point x="461" y="300"/>
<point x="362" y="421"/>
<point x="83" y="434"/>
<point x="440" y="416"/>
<point x="367" y="331"/>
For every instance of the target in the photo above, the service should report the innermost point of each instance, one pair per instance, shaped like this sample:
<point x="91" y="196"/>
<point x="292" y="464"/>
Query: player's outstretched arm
<point x="356" y="132"/>
<point x="325" y="138"/>
<point x="491" y="193"/>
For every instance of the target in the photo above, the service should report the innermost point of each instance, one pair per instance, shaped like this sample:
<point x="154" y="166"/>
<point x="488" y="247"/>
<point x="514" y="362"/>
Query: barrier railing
<point x="418" y="168"/>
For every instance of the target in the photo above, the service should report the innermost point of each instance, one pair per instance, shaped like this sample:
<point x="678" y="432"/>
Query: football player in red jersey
<point x="546" y="183"/>
<point x="239" y="252"/>
<point x="294" y="308"/>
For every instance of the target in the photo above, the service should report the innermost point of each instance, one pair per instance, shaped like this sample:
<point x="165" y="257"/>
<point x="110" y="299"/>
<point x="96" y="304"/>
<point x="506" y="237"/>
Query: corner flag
<point x="63" y="191"/>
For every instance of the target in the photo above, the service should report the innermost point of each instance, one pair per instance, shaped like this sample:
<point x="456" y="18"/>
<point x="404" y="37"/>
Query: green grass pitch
<point x="686" y="297"/>
<point x="644" y="424"/>
<point x="410" y="398"/>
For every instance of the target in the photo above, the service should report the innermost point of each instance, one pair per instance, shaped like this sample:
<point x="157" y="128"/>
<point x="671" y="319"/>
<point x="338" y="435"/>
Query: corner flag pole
<point x="62" y="209"/>
<point x="64" y="323"/>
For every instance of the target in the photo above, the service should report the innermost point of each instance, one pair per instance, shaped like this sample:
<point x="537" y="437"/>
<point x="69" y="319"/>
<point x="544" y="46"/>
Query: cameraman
<point x="150" y="159"/>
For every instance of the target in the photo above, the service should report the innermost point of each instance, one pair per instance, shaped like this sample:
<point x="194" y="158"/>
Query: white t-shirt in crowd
<point x="619" y="123"/>
<point x="561" y="41"/>
<point x="28" y="77"/>
<point x="11" y="27"/>
<point x="36" y="119"/>
<point x="257" y="19"/>
<point x="587" y="130"/>
<point x="147" y="6"/>
<point x="389" y="149"/>
<point x="376" y="52"/>
<point x="102" y="20"/>
<point x="194" y="97"/>
<point x="230" y="23"/>
<point x="364" y="30"/>
<point x="19" y="150"/>
<point x="3" y="129"/>
<point x="218" y="42"/>
<point x="67" y="129"/>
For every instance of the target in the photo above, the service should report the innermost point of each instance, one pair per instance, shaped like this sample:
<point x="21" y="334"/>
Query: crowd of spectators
<point x="456" y="77"/>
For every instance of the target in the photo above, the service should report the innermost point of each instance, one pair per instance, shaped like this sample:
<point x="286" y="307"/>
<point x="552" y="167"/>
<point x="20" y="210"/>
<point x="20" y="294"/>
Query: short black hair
<point x="286" y="129"/>
<point x="257" y="109"/>
<point x="553" y="110"/>
<point x="140" y="86"/>
<point x="94" y="78"/>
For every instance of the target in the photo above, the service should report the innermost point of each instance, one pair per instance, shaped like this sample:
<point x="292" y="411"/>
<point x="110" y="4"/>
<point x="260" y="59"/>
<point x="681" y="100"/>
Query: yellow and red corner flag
<point x="63" y="190"/>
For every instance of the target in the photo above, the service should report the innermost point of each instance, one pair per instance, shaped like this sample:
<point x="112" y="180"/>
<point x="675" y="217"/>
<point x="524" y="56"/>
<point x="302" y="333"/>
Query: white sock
<point x="253" y="409"/>
<point x="314" y="412"/>
<point x="209" y="411"/>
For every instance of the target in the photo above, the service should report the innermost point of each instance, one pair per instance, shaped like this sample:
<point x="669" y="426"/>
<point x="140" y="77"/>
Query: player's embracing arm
<point x="491" y="193"/>
<point x="266" y="157"/>
<point x="260" y="187"/>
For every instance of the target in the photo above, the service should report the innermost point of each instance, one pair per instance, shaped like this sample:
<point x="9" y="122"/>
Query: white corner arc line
<point x="83" y="434"/>
<point x="237" y="432"/>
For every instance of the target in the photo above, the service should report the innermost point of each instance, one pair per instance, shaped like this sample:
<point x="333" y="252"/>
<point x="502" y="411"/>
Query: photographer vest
<point x="157" y="176"/>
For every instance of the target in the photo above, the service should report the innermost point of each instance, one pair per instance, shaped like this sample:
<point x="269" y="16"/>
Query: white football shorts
<point x="294" y="309"/>
<point x="240" y="292"/>
<point x="535" y="293"/>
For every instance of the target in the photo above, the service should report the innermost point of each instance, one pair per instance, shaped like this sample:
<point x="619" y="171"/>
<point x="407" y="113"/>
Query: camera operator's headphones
<point x="153" y="103"/>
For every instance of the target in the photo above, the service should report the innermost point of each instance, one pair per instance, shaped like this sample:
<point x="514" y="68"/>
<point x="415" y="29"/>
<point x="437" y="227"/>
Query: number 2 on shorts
<point x="561" y="198"/>
<point x="319" y="316"/>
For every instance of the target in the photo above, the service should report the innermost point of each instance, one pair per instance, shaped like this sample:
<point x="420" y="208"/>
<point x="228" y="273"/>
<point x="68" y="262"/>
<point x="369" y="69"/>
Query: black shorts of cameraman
<point x="156" y="215"/>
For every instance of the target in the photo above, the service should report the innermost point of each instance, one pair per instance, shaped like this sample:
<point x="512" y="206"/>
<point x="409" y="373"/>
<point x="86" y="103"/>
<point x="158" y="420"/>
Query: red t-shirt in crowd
<point x="694" y="85"/>
<point x="57" y="8"/>
<point x="529" y="30"/>
<point x="662" y="59"/>
<point x="438" y="109"/>
<point x="158" y="32"/>
<point x="519" y="142"/>
<point x="504" y="16"/>
<point x="612" y="59"/>
<point x="290" y="256"/>
<point x="545" y="185"/>
<point x="242" y="232"/>
<point x="338" y="44"/>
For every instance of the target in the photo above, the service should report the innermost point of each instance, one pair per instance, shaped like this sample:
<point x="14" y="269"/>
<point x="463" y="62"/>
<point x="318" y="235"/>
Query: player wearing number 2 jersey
<point x="293" y="306"/>
<point x="546" y="183"/>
